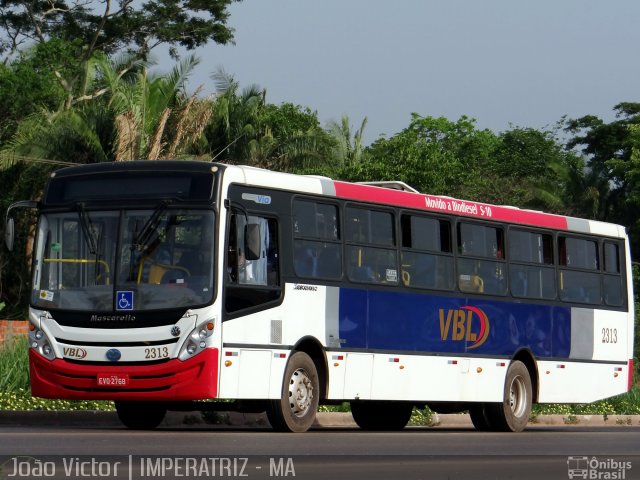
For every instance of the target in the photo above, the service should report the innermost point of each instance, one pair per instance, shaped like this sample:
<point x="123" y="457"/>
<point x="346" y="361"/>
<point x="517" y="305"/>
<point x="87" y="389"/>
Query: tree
<point x="133" y="115"/>
<point x="154" y="118"/>
<point x="82" y="135"/>
<point x="19" y="182"/>
<point x="530" y="168"/>
<point x="603" y="143"/>
<point x="302" y="145"/>
<point x="111" y="27"/>
<point x="523" y="167"/>
<point x="627" y="171"/>
<point x="349" y="149"/>
<point x="245" y="129"/>
<point x="432" y="155"/>
<point x="28" y="84"/>
<point x="236" y="118"/>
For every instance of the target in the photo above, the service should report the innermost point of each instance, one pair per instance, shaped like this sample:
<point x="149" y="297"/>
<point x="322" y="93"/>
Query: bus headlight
<point x="197" y="340"/>
<point x="41" y="344"/>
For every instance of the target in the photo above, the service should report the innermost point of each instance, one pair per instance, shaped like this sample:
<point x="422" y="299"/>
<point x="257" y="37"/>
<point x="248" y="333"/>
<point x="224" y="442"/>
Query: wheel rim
<point x="300" y="393"/>
<point x="518" y="396"/>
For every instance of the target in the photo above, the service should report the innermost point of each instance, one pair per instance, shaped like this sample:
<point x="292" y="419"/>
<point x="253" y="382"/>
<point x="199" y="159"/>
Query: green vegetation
<point x="626" y="404"/>
<point x="15" y="393"/>
<point x="14" y="365"/>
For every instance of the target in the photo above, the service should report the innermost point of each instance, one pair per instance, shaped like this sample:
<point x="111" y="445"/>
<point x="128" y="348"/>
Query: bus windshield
<point x="128" y="260"/>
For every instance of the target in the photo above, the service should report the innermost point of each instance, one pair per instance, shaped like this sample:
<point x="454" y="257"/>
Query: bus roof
<point x="483" y="211"/>
<point x="434" y="203"/>
<point x="366" y="193"/>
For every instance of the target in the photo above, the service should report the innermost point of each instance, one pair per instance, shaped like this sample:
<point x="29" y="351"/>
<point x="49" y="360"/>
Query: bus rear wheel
<point x="385" y="415"/>
<point x="140" y="415"/>
<point x="512" y="415"/>
<point x="296" y="410"/>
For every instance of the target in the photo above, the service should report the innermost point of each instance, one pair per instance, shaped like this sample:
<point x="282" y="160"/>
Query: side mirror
<point x="9" y="230"/>
<point x="252" y="241"/>
<point x="9" y="234"/>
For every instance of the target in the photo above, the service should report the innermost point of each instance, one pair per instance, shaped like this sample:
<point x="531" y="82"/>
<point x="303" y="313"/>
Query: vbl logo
<point x="74" y="352"/>
<point x="469" y="324"/>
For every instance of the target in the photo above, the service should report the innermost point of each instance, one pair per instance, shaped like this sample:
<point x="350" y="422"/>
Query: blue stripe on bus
<point x="373" y="319"/>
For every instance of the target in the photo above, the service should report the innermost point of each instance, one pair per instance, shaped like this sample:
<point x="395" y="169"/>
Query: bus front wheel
<point x="479" y="417"/>
<point x="296" y="409"/>
<point x="140" y="415"/>
<point x="512" y="415"/>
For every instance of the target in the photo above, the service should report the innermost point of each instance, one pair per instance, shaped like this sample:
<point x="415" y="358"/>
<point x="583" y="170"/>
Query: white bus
<point x="161" y="284"/>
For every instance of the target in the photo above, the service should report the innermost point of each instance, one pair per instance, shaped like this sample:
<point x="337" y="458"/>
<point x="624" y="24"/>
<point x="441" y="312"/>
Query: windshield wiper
<point x="150" y="227"/>
<point x="87" y="229"/>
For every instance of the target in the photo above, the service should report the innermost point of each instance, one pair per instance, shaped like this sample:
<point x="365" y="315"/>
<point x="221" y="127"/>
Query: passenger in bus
<point x="519" y="284"/>
<point x="191" y="261"/>
<point x="244" y="268"/>
<point x="306" y="261"/>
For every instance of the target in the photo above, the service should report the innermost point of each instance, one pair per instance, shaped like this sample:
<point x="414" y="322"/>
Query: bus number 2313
<point x="609" y="335"/>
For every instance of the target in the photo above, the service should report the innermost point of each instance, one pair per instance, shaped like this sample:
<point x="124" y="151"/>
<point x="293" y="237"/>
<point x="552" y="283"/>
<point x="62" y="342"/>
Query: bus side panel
<point x="435" y="378"/>
<point x="428" y="324"/>
<point x="574" y="382"/>
<point x="610" y="335"/>
<point x="276" y="331"/>
<point x="598" y="337"/>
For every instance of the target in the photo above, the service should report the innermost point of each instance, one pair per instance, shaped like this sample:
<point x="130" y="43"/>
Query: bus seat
<point x="156" y="273"/>
<point x="471" y="283"/>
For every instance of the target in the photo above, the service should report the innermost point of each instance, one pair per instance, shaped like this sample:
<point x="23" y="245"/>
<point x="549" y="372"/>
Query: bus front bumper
<point x="174" y="380"/>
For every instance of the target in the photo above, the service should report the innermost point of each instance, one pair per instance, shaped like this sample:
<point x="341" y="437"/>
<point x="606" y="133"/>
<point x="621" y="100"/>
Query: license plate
<point x="112" y="380"/>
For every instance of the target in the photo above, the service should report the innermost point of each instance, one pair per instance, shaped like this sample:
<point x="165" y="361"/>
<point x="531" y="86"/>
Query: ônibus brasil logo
<point x="468" y="324"/>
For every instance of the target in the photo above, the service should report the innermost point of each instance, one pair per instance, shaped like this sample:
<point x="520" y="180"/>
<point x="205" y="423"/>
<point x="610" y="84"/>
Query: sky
<point x="503" y="62"/>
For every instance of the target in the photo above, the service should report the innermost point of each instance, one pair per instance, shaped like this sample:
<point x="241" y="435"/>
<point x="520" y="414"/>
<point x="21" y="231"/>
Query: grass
<point x="625" y="404"/>
<point x="14" y="365"/>
<point x="15" y="392"/>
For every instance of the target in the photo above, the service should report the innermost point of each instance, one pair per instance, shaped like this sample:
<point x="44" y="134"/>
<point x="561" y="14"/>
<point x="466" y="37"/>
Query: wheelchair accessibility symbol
<point x="124" y="300"/>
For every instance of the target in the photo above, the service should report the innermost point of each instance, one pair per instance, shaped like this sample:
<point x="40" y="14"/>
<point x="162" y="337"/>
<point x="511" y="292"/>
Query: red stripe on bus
<point x="448" y="205"/>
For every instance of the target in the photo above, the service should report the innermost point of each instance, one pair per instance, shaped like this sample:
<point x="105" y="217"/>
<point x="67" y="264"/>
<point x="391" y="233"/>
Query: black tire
<point x="296" y="410"/>
<point x="385" y="415"/>
<point x="512" y="415"/>
<point x="140" y="415"/>
<point x="479" y="418"/>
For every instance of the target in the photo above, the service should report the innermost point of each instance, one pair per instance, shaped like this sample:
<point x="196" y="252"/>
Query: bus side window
<point x="612" y="278"/>
<point x="317" y="246"/>
<point x="481" y="264"/>
<point x="580" y="277"/>
<point x="371" y="246"/>
<point x="253" y="274"/>
<point x="531" y="270"/>
<point x="426" y="260"/>
<point x="253" y="251"/>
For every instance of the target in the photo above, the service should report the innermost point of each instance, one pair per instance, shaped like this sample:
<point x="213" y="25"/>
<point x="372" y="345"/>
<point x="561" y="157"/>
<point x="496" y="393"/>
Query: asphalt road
<point x="541" y="452"/>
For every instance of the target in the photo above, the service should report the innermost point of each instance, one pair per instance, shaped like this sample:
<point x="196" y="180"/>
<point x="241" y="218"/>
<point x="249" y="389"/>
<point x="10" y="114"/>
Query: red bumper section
<point x="194" y="379"/>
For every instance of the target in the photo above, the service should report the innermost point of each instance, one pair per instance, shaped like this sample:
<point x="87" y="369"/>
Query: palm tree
<point x="63" y="137"/>
<point x="235" y="126"/>
<point x="154" y="118"/>
<point x="349" y="149"/>
<point x="124" y="114"/>
<point x="243" y="131"/>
